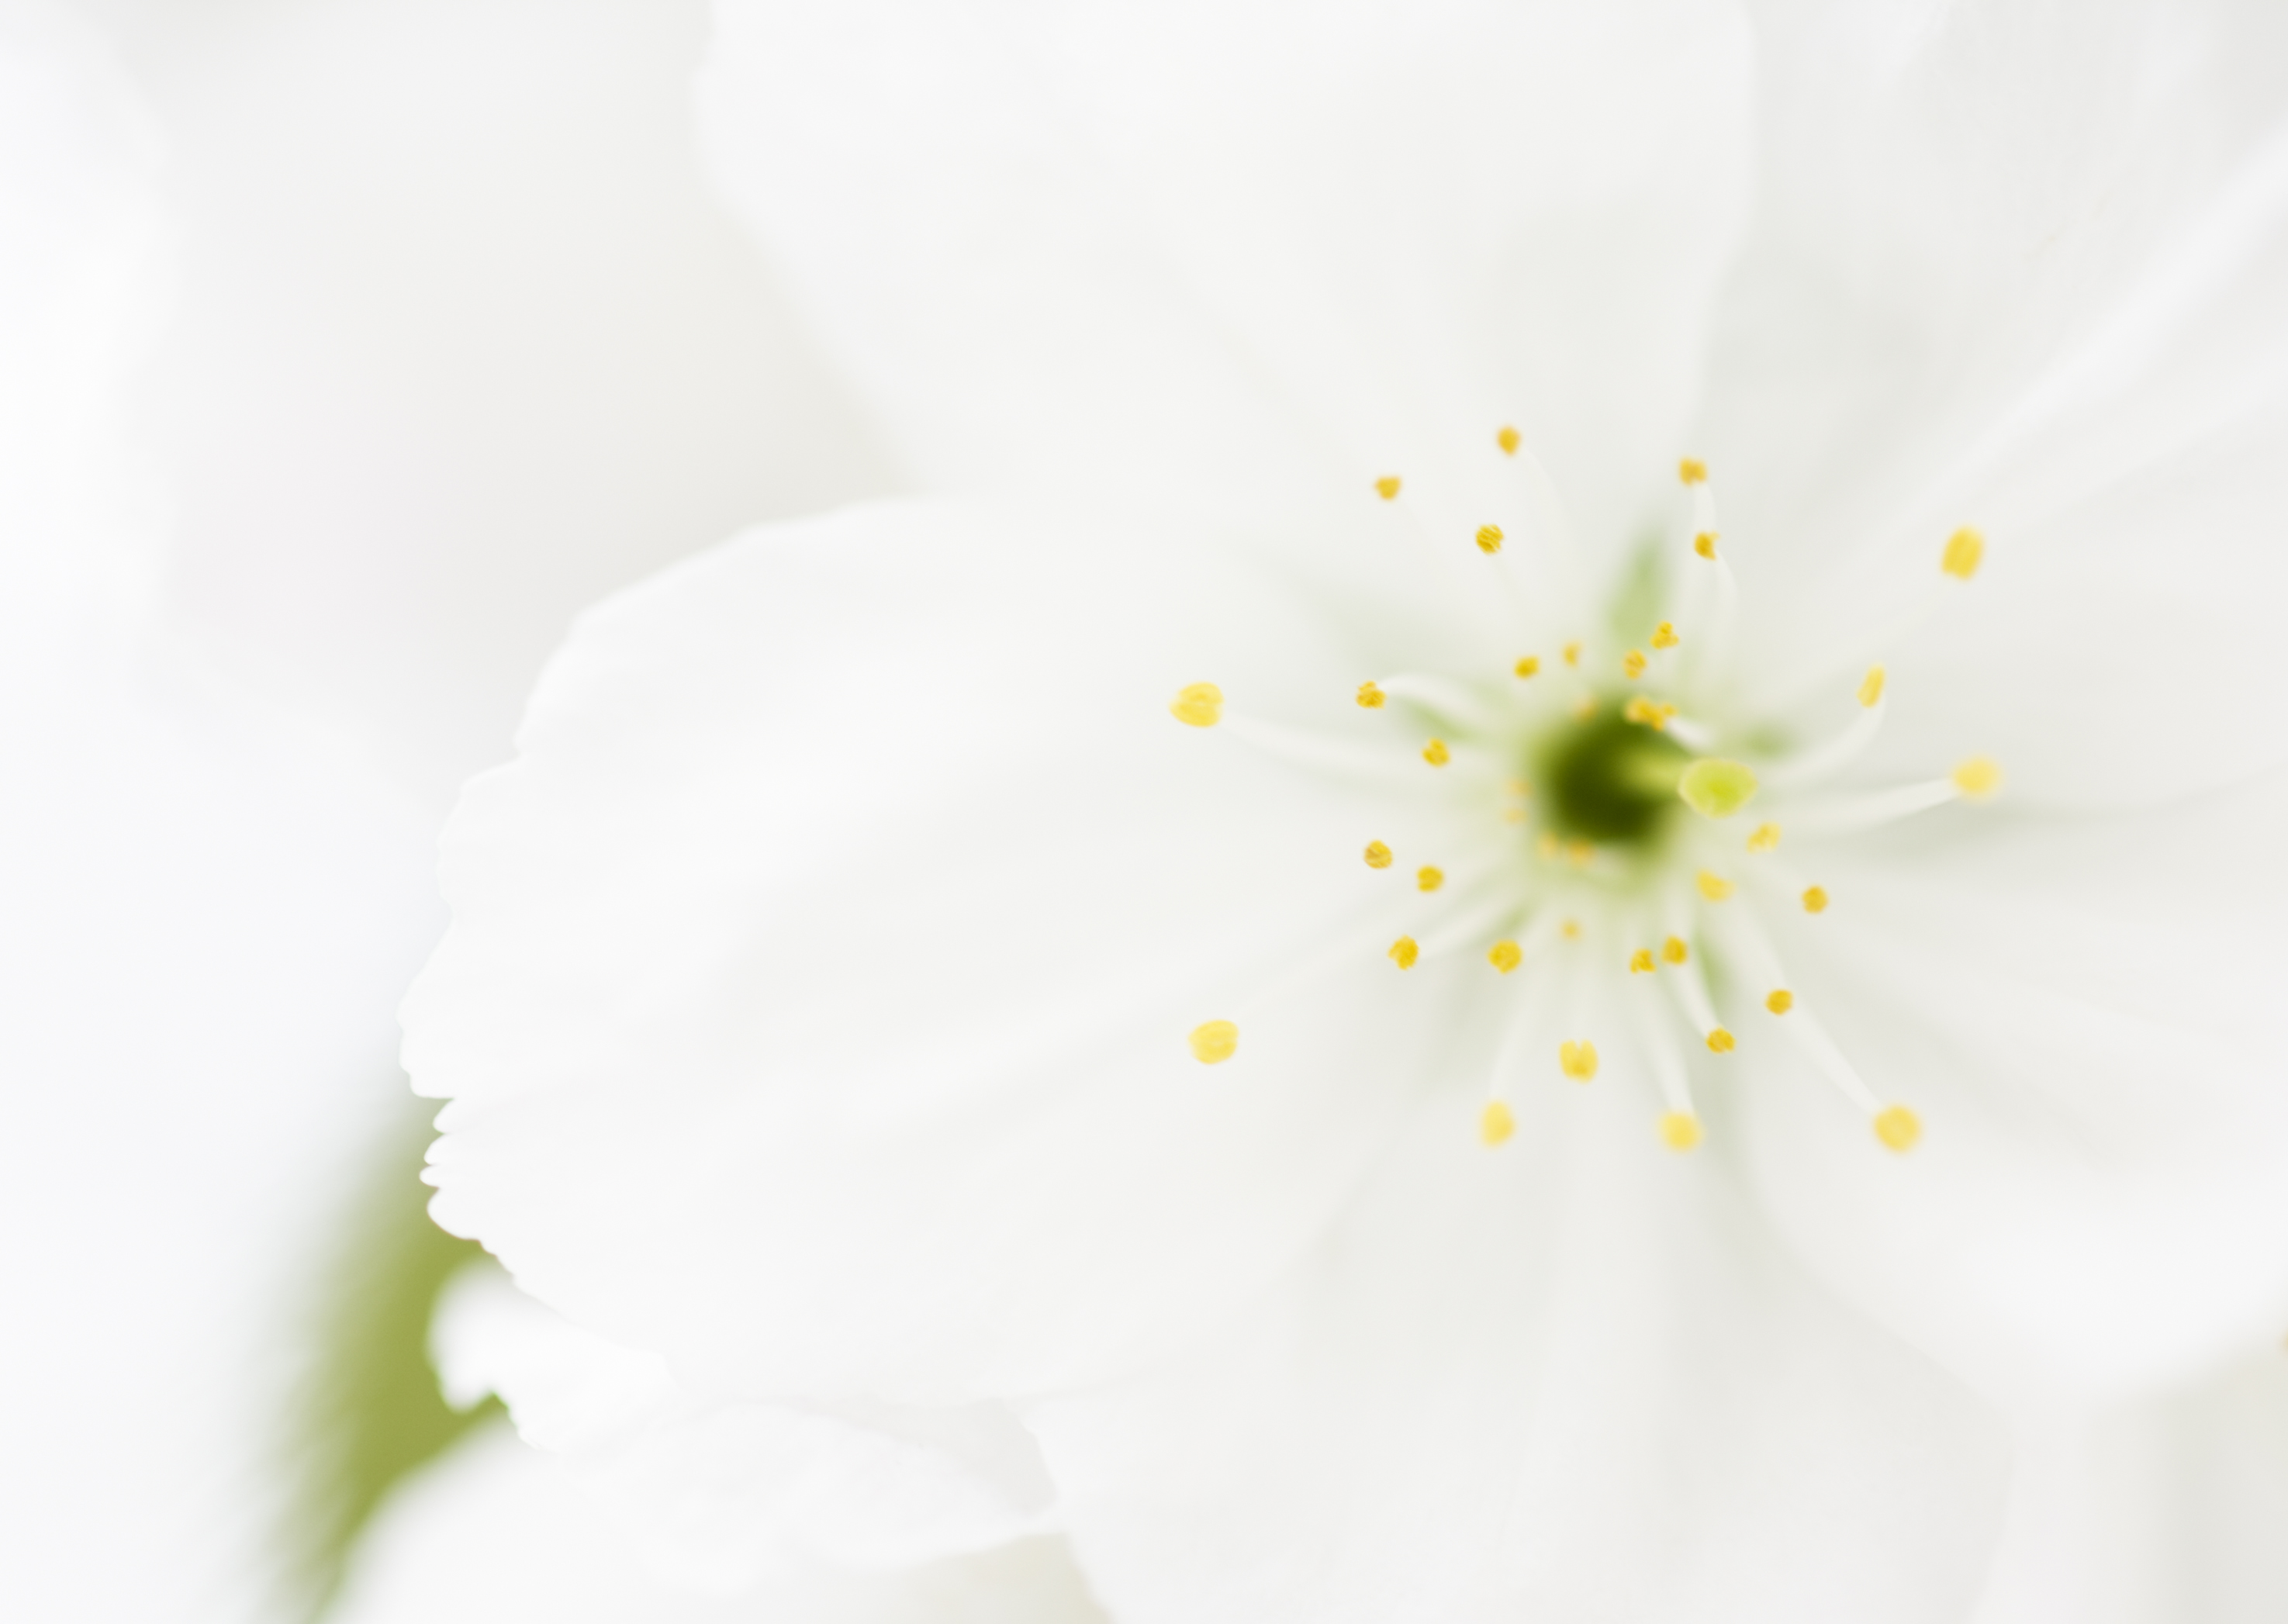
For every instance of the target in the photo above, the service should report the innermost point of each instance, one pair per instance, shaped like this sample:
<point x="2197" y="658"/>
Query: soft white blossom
<point x="831" y="974"/>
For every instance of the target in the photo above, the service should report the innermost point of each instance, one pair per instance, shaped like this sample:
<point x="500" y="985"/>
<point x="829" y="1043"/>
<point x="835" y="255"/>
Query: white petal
<point x="1206" y="243"/>
<point x="470" y="347"/>
<point x="494" y="1532"/>
<point x="721" y="1492"/>
<point x="2084" y="1016"/>
<point x="1570" y="1378"/>
<point x="2166" y="1508"/>
<point x="815" y="1009"/>
<point x="1999" y="260"/>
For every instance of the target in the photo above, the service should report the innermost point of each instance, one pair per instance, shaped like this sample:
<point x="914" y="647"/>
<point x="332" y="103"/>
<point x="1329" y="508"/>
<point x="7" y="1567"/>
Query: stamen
<point x="1978" y="777"/>
<point x="1894" y="1125"/>
<point x="1691" y="989"/>
<point x="1692" y="470"/>
<point x="1678" y="1131"/>
<point x="1714" y="887"/>
<point x="1316" y="752"/>
<point x="1495" y="1124"/>
<point x="1705" y="544"/>
<point x="1767" y="838"/>
<point x="1387" y="488"/>
<point x="1571" y="929"/>
<point x="1663" y="636"/>
<point x="1965" y="549"/>
<point x="1528" y="667"/>
<point x="1504" y="956"/>
<point x="1199" y="705"/>
<point x="1641" y="961"/>
<point x="1214" y="1042"/>
<point x="1573" y="655"/>
<point x="1436" y="753"/>
<point x="1429" y="879"/>
<point x="1447" y="700"/>
<point x="1647" y="712"/>
<point x="1660" y="1052"/>
<point x="1674" y="950"/>
<point x="1508" y="439"/>
<point x="1404" y="951"/>
<point x="1634" y="663"/>
<point x="1489" y="539"/>
<point x="1824" y="761"/>
<point x="1578" y="1061"/>
<point x="1370" y="697"/>
<point x="1815" y="900"/>
<point x="1378" y="855"/>
<point x="1685" y="731"/>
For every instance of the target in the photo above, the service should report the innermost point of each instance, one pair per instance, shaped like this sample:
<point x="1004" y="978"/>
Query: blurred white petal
<point x="495" y="1530"/>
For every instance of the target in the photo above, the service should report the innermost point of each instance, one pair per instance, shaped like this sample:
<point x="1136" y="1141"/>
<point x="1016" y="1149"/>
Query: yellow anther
<point x="1378" y="855"/>
<point x="1779" y="1001"/>
<point x="1586" y="708"/>
<point x="1766" y="837"/>
<point x="1720" y="1041"/>
<point x="1436" y="753"/>
<point x="1200" y="705"/>
<point x="1578" y="1061"/>
<point x="1404" y="951"/>
<point x="1214" y="1042"/>
<point x="1634" y="662"/>
<point x="1963" y="550"/>
<point x="1517" y="787"/>
<point x="1571" y="929"/>
<point x="1714" y="887"/>
<point x="1815" y="900"/>
<point x="1490" y="538"/>
<point x="1678" y="1131"/>
<point x="1387" y="488"/>
<point x="1429" y="879"/>
<point x="1979" y="777"/>
<point x="1528" y="667"/>
<point x="1692" y="470"/>
<point x="1370" y="697"/>
<point x="1674" y="950"/>
<point x="1716" y="788"/>
<point x="1580" y="853"/>
<point x="1705" y="544"/>
<point x="1504" y="956"/>
<point x="1495" y="1124"/>
<point x="1644" y="712"/>
<point x="1573" y="654"/>
<point x="1546" y="848"/>
<point x="1508" y="439"/>
<point x="1871" y="688"/>
<point x="1641" y="961"/>
<point x="1898" y="1127"/>
<point x="1663" y="636"/>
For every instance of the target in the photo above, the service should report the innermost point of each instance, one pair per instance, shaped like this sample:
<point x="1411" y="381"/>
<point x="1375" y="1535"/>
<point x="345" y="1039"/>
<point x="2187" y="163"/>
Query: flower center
<point x="1610" y="781"/>
<point x="1636" y="876"/>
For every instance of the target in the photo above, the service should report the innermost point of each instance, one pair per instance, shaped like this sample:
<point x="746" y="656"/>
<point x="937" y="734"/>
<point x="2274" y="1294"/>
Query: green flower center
<point x="1610" y="781"/>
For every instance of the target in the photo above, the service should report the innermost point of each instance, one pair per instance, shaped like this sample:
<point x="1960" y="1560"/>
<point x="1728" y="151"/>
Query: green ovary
<point x="1610" y="781"/>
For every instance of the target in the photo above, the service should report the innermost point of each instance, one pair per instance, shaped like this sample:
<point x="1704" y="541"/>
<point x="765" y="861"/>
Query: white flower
<point x="830" y="976"/>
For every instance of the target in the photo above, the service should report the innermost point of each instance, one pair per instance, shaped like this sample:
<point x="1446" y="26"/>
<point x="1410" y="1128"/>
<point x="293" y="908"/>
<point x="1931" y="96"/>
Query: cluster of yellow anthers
<point x="1713" y="788"/>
